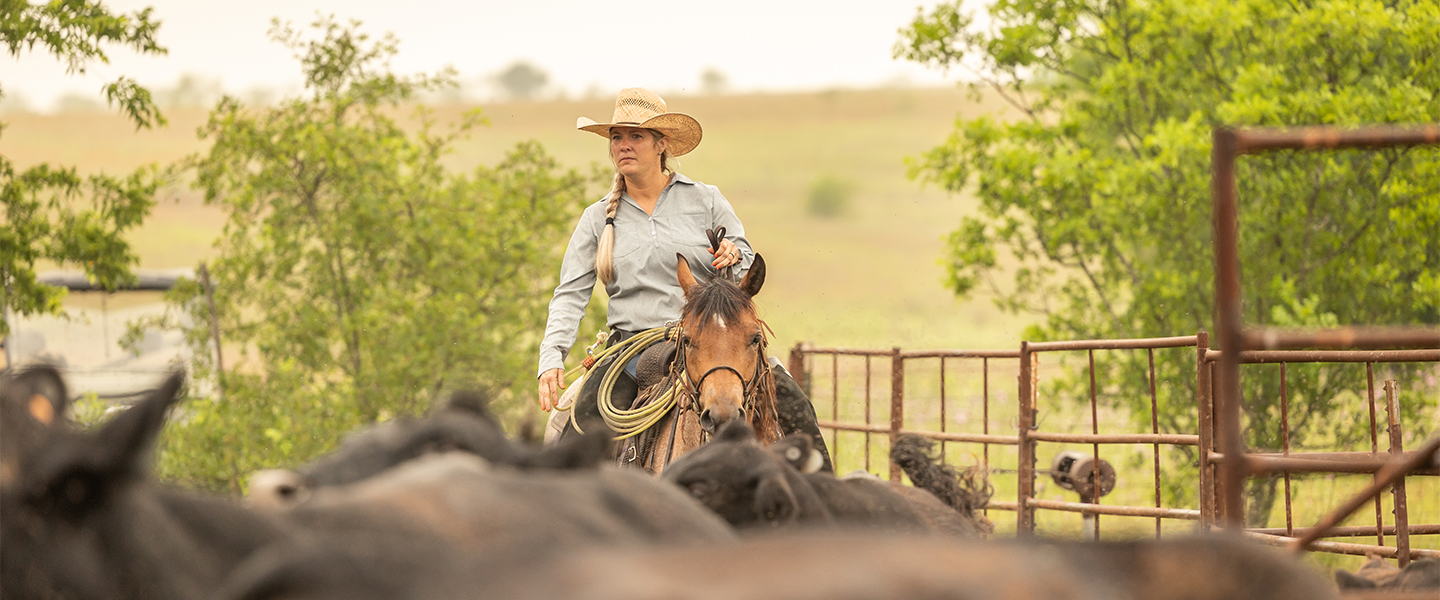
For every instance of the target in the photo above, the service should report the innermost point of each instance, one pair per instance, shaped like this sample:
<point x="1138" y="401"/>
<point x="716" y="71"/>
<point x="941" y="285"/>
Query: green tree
<point x="52" y="213"/>
<point x="1099" y="190"/>
<point x="358" y="277"/>
<point x="522" y="80"/>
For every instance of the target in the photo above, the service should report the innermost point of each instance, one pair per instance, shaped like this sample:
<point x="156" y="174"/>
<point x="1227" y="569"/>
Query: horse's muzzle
<point x="713" y="417"/>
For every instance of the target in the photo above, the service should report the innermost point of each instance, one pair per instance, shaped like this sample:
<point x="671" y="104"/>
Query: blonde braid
<point x="605" y="251"/>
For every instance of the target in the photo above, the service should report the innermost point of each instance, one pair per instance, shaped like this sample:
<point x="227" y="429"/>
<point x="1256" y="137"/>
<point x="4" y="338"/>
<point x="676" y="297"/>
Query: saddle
<point x="652" y="368"/>
<point x="654" y="364"/>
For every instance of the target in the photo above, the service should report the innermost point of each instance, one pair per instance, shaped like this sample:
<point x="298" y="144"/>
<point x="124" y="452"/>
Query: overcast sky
<point x="760" y="45"/>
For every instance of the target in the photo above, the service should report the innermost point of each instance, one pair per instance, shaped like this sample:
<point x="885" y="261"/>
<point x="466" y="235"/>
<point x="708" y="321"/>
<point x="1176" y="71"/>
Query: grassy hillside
<point x="870" y="277"/>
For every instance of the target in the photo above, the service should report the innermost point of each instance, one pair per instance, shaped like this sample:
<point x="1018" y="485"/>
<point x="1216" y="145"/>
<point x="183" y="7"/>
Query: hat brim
<point x="682" y="130"/>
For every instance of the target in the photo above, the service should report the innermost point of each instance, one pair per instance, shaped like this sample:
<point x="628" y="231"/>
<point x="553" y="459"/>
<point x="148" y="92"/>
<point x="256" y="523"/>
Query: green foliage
<point x="829" y="197"/>
<point x="522" y="80"/>
<point x="358" y="277"/>
<point x="1100" y="191"/>
<point x="52" y="213"/>
<point x="75" y="31"/>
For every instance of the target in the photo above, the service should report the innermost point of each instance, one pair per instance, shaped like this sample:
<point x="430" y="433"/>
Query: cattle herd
<point x="447" y="506"/>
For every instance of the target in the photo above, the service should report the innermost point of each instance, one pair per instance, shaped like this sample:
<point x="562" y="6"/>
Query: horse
<point x="719" y="373"/>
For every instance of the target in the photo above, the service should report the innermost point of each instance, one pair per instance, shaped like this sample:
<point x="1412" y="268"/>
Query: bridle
<point x="692" y="388"/>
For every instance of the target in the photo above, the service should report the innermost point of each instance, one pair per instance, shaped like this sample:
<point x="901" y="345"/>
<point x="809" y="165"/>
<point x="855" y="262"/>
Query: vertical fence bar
<point x="797" y="368"/>
<point x="1397" y="447"/>
<point x="897" y="405"/>
<point x="942" y="406"/>
<point x="1155" y="429"/>
<point x="1374" y="449"/>
<point x="1025" y="471"/>
<point x="1229" y="321"/>
<point x="867" y="412"/>
<point x="1206" y="425"/>
<point x="985" y="410"/>
<point x="1285" y="447"/>
<point x="835" y="406"/>
<point x="1095" y="447"/>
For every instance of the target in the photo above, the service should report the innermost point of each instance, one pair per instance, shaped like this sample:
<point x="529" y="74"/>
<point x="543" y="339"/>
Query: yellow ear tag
<point x="42" y="409"/>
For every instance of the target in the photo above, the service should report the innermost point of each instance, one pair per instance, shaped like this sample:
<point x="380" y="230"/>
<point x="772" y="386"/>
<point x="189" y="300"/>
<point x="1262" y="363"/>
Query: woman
<point x="628" y="241"/>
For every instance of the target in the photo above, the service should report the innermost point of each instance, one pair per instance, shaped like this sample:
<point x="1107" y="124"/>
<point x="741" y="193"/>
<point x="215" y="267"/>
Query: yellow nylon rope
<point x="629" y="422"/>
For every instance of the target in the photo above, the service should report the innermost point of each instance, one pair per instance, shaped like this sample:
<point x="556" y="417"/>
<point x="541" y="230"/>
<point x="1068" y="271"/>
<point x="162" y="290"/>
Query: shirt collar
<point x="678" y="178"/>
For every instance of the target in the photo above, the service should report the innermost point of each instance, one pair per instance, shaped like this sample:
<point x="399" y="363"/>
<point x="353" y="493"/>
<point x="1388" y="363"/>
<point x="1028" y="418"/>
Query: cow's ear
<point x="775" y="502"/>
<point x="474" y="402"/>
<point x="576" y="452"/>
<point x="79" y="470"/>
<point x="1350" y="581"/>
<point x="798" y="450"/>
<point x="754" y="278"/>
<point x="39" y="392"/>
<point x="737" y="430"/>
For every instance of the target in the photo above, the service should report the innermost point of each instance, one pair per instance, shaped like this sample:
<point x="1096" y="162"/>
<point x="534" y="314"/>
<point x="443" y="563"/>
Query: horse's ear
<point x="755" y="277"/>
<point x="683" y="274"/>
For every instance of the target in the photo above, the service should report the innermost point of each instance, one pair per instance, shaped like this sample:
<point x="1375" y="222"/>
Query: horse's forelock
<point x="717" y="297"/>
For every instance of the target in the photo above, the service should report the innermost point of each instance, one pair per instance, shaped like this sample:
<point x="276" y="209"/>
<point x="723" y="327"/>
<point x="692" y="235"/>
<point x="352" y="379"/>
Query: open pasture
<point x="870" y="276"/>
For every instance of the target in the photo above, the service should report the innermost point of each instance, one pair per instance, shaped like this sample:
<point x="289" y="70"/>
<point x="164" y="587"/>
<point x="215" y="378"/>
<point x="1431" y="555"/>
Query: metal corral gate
<point x="806" y="361"/>
<point x="1224" y="462"/>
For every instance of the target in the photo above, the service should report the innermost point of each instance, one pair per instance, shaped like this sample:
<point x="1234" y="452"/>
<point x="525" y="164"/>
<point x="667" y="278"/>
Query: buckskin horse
<point x="705" y="370"/>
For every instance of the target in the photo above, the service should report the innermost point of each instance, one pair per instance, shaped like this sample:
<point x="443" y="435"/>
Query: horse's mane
<point x="716" y="297"/>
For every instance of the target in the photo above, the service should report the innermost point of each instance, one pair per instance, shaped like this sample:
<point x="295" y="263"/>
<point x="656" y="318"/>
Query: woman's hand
<point x="728" y="255"/>
<point x="551" y="382"/>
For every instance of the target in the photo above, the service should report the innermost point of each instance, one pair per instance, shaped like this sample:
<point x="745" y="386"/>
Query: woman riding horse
<point x="630" y="240"/>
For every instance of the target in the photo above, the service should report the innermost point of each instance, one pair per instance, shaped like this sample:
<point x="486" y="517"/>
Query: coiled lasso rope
<point x="628" y="423"/>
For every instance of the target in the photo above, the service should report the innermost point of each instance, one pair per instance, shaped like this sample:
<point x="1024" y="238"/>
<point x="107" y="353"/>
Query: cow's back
<point x="477" y="505"/>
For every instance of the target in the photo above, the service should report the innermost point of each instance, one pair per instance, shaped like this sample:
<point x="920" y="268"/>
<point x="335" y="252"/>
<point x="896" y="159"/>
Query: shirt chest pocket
<point x="685" y="234"/>
<point x="629" y="239"/>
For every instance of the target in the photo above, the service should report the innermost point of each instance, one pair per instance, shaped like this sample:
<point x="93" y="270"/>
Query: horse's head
<point x="723" y="342"/>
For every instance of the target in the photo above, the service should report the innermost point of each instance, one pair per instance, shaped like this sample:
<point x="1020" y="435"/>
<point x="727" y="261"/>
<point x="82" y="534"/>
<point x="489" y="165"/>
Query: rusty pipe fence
<point x="802" y="358"/>
<point x="1235" y="465"/>
<point x="1027" y="434"/>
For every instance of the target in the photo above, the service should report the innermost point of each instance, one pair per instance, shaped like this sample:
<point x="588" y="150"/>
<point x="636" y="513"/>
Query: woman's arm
<point x="577" y="281"/>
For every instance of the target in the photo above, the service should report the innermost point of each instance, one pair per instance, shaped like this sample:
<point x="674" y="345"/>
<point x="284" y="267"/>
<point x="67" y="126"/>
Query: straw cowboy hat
<point x="639" y="107"/>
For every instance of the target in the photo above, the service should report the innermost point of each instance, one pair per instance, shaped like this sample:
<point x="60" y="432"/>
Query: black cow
<point x="33" y="405"/>
<point x="85" y="521"/>
<point x="479" y="505"/>
<point x="463" y="424"/>
<point x="804" y="566"/>
<point x="750" y="486"/>
<point x="1420" y="575"/>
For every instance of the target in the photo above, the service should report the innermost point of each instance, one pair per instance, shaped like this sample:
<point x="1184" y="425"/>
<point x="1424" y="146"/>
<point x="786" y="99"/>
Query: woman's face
<point x="635" y="151"/>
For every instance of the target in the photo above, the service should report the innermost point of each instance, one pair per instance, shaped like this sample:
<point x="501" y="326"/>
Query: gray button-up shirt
<point x="645" y="293"/>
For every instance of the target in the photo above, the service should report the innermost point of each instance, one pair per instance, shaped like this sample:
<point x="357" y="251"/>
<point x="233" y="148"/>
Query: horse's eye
<point x="755" y="341"/>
